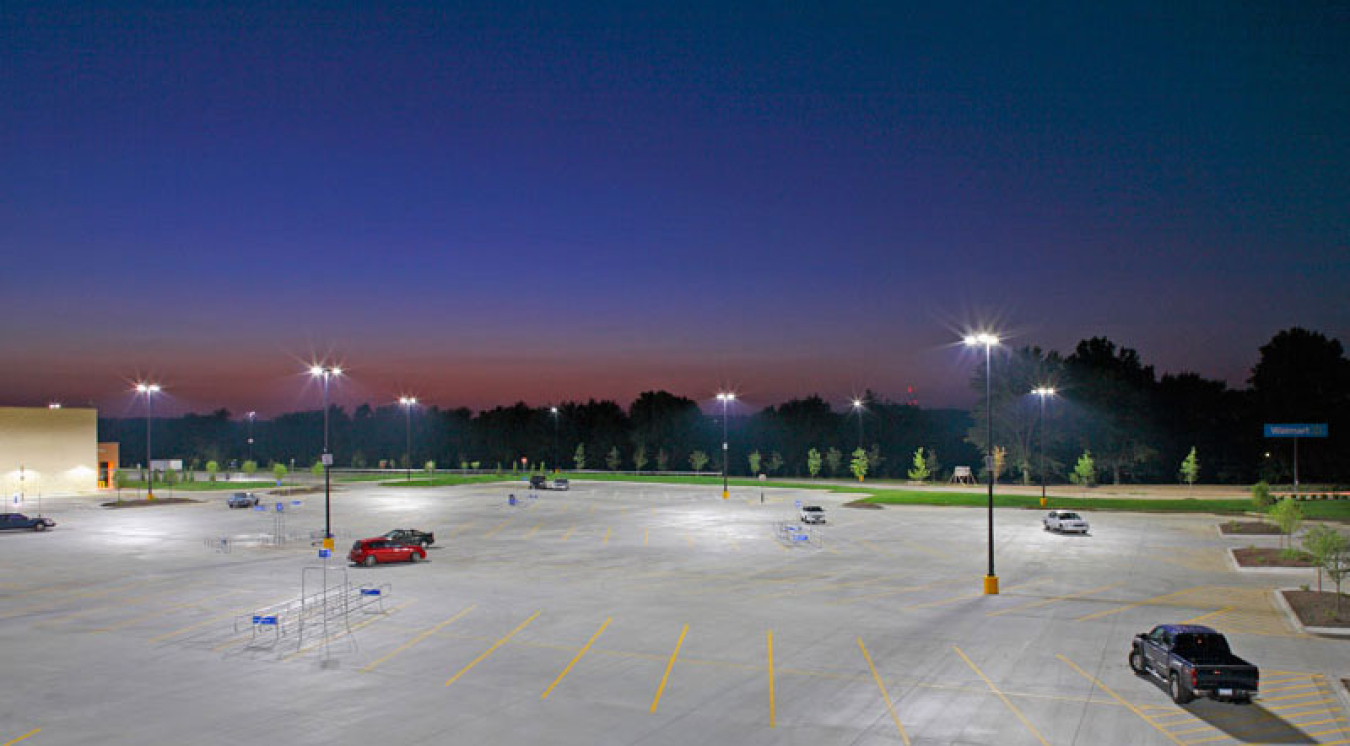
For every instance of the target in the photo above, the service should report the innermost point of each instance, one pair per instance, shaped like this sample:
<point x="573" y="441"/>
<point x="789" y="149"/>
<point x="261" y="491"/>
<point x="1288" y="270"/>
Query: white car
<point x="813" y="514"/>
<point x="1065" y="521"/>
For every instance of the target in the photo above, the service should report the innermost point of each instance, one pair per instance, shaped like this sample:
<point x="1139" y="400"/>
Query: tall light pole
<point x="1042" y="392"/>
<point x="858" y="407"/>
<point x="326" y="373"/>
<point x="988" y="341"/>
<point x="408" y="403"/>
<point x="726" y="398"/>
<point x="251" y="417"/>
<point x="554" y="411"/>
<point x="149" y="389"/>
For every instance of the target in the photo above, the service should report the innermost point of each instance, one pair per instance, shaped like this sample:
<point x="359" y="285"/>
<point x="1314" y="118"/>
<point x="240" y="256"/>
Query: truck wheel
<point x="1137" y="663"/>
<point x="1178" y="692"/>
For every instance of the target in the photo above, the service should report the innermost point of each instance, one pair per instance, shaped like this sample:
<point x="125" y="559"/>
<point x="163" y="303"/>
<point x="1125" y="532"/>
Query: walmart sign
<point x="1314" y="430"/>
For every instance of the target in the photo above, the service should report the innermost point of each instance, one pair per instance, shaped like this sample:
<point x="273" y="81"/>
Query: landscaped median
<point x="1335" y="511"/>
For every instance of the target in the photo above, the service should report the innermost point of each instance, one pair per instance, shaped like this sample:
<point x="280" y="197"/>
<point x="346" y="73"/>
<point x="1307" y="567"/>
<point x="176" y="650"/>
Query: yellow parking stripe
<point x="1001" y="696"/>
<point x="1048" y="601"/>
<point x="492" y="649"/>
<point x="1300" y="695"/>
<point x="890" y="707"/>
<point x="153" y="614"/>
<point x="495" y="529"/>
<point x="206" y="621"/>
<point x="353" y="628"/>
<point x="608" y="532"/>
<point x="1135" y="605"/>
<point x="669" y="665"/>
<point x="568" y="534"/>
<point x="534" y="529"/>
<point x="575" y="658"/>
<point x="424" y="635"/>
<point x="13" y="741"/>
<point x="1111" y="692"/>
<point x="773" y="714"/>
<point x="1311" y="684"/>
<point x="1203" y="617"/>
<point x="1300" y="704"/>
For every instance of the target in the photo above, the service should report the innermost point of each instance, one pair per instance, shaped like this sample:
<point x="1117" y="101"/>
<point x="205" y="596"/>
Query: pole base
<point x="328" y="544"/>
<point x="1042" y="502"/>
<point x="725" y="495"/>
<point x="991" y="585"/>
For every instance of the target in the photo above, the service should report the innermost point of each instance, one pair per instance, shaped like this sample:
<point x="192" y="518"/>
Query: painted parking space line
<point x="461" y="529"/>
<point x="496" y="528"/>
<point x="609" y="531"/>
<point x="1137" y="604"/>
<point x="970" y="596"/>
<point x="881" y="685"/>
<point x="773" y="707"/>
<point x="575" y="658"/>
<point x="1055" y="599"/>
<point x="154" y="614"/>
<point x="418" y="638"/>
<point x="338" y="635"/>
<point x="209" y="620"/>
<point x="656" y="700"/>
<point x="1001" y="696"/>
<point x="48" y="605"/>
<point x="29" y="734"/>
<point x="1111" y="692"/>
<point x="1208" y="615"/>
<point x="483" y="656"/>
<point x="533" y="530"/>
<point x="120" y="604"/>
<point x="568" y="534"/>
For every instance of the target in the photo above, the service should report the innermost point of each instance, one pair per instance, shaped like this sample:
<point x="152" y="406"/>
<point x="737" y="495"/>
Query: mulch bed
<point x="1269" y="557"/>
<point x="1318" y="609"/>
<point x="1249" y="527"/>
<point x="149" y="503"/>
<point x="862" y="505"/>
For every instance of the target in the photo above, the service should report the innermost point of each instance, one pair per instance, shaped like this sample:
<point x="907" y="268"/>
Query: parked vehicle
<point x="541" y="482"/>
<point x="19" y="521"/>
<point x="411" y="536"/>
<point x="813" y="514"/>
<point x="243" y="500"/>
<point x="1064" y="521"/>
<point x="1193" y="661"/>
<point x="368" y="552"/>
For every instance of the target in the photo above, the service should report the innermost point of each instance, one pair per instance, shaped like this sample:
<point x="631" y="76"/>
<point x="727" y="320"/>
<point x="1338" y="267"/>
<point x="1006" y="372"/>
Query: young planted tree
<point x="1190" y="469"/>
<point x="249" y="467"/>
<point x="1288" y="516"/>
<point x="930" y="461"/>
<point x="1323" y="542"/>
<point x="579" y="458"/>
<point x="613" y="459"/>
<point x="919" y="471"/>
<point x="1000" y="461"/>
<point x="1085" y="471"/>
<point x="774" y="463"/>
<point x="640" y="458"/>
<point x="211" y="469"/>
<point x="859" y="464"/>
<point x="317" y="469"/>
<point x="754" y="458"/>
<point x="698" y="460"/>
<point x="813" y="461"/>
<point x="279" y="471"/>
<point x="475" y="464"/>
<point x="1337" y="567"/>
<point x="662" y="459"/>
<point x="834" y="458"/>
<point x="429" y="467"/>
<point x="1261" y="495"/>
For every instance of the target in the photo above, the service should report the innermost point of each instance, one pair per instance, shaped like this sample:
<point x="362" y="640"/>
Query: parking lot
<point x="636" y="613"/>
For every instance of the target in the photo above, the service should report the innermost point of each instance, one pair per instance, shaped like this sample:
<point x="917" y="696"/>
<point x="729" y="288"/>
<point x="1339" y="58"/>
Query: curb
<point x="1233" y="563"/>
<point x="1289" y="614"/>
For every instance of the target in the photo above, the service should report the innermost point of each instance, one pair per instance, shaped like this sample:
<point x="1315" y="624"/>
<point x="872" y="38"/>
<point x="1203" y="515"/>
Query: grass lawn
<point x="363" y="477"/>
<point x="713" y="480"/>
<point x="1338" y="510"/>
<point x="207" y="486"/>
<point x="447" y="480"/>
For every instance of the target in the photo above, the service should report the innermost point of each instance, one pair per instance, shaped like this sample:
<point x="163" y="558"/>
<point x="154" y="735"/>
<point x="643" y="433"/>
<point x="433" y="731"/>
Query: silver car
<point x="813" y="514"/>
<point x="1064" y="521"/>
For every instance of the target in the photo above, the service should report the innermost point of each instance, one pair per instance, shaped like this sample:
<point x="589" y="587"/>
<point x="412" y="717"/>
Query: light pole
<point x="1042" y="392"/>
<point x="149" y="389"/>
<point x="251" y="417"/>
<point x="554" y="411"/>
<point x="726" y="398"/>
<point x="408" y="403"/>
<point x="858" y="407"/>
<point x="327" y="373"/>
<point x="988" y="341"/>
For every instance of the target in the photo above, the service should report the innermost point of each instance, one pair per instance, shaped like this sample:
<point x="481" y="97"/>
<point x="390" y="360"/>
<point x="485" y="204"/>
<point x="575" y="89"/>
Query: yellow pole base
<point x="860" y="479"/>
<point x="725" y="495"/>
<point x="328" y="544"/>
<point x="991" y="585"/>
<point x="1042" y="502"/>
<point x="149" y="495"/>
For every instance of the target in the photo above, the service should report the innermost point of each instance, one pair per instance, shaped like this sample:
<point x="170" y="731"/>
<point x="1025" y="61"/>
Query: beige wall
<point x="57" y="448"/>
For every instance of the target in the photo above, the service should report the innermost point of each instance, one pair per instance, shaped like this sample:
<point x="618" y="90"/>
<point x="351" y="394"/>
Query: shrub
<point x="1261" y="495"/>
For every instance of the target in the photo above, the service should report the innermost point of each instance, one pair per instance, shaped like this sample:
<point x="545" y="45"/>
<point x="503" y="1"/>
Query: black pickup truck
<point x="1192" y="660"/>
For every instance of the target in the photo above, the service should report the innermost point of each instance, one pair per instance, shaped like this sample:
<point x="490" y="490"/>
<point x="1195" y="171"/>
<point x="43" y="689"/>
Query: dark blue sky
<point x="535" y="201"/>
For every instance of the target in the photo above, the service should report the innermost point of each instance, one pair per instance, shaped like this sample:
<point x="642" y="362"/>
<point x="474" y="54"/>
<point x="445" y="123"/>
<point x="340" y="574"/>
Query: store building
<point x="47" y="451"/>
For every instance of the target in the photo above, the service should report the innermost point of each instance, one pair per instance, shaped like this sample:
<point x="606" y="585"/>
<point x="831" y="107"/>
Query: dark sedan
<point x="21" y="522"/>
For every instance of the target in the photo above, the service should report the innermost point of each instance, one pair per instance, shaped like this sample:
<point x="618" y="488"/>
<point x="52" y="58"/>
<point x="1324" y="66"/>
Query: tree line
<point x="1112" y="419"/>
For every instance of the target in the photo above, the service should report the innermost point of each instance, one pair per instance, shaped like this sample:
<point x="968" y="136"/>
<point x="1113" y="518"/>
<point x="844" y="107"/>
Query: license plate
<point x="1225" y="692"/>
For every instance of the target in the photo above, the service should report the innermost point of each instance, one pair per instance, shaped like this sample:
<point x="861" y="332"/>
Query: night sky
<point x="559" y="201"/>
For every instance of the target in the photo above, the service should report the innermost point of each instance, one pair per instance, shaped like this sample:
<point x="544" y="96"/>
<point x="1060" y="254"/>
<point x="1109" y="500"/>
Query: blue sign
<point x="800" y="537"/>
<point x="1311" y="430"/>
<point x="325" y="553"/>
<point x="281" y="507"/>
<point x="370" y="591"/>
<point x="295" y="503"/>
<point x="260" y="507"/>
<point x="259" y="619"/>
